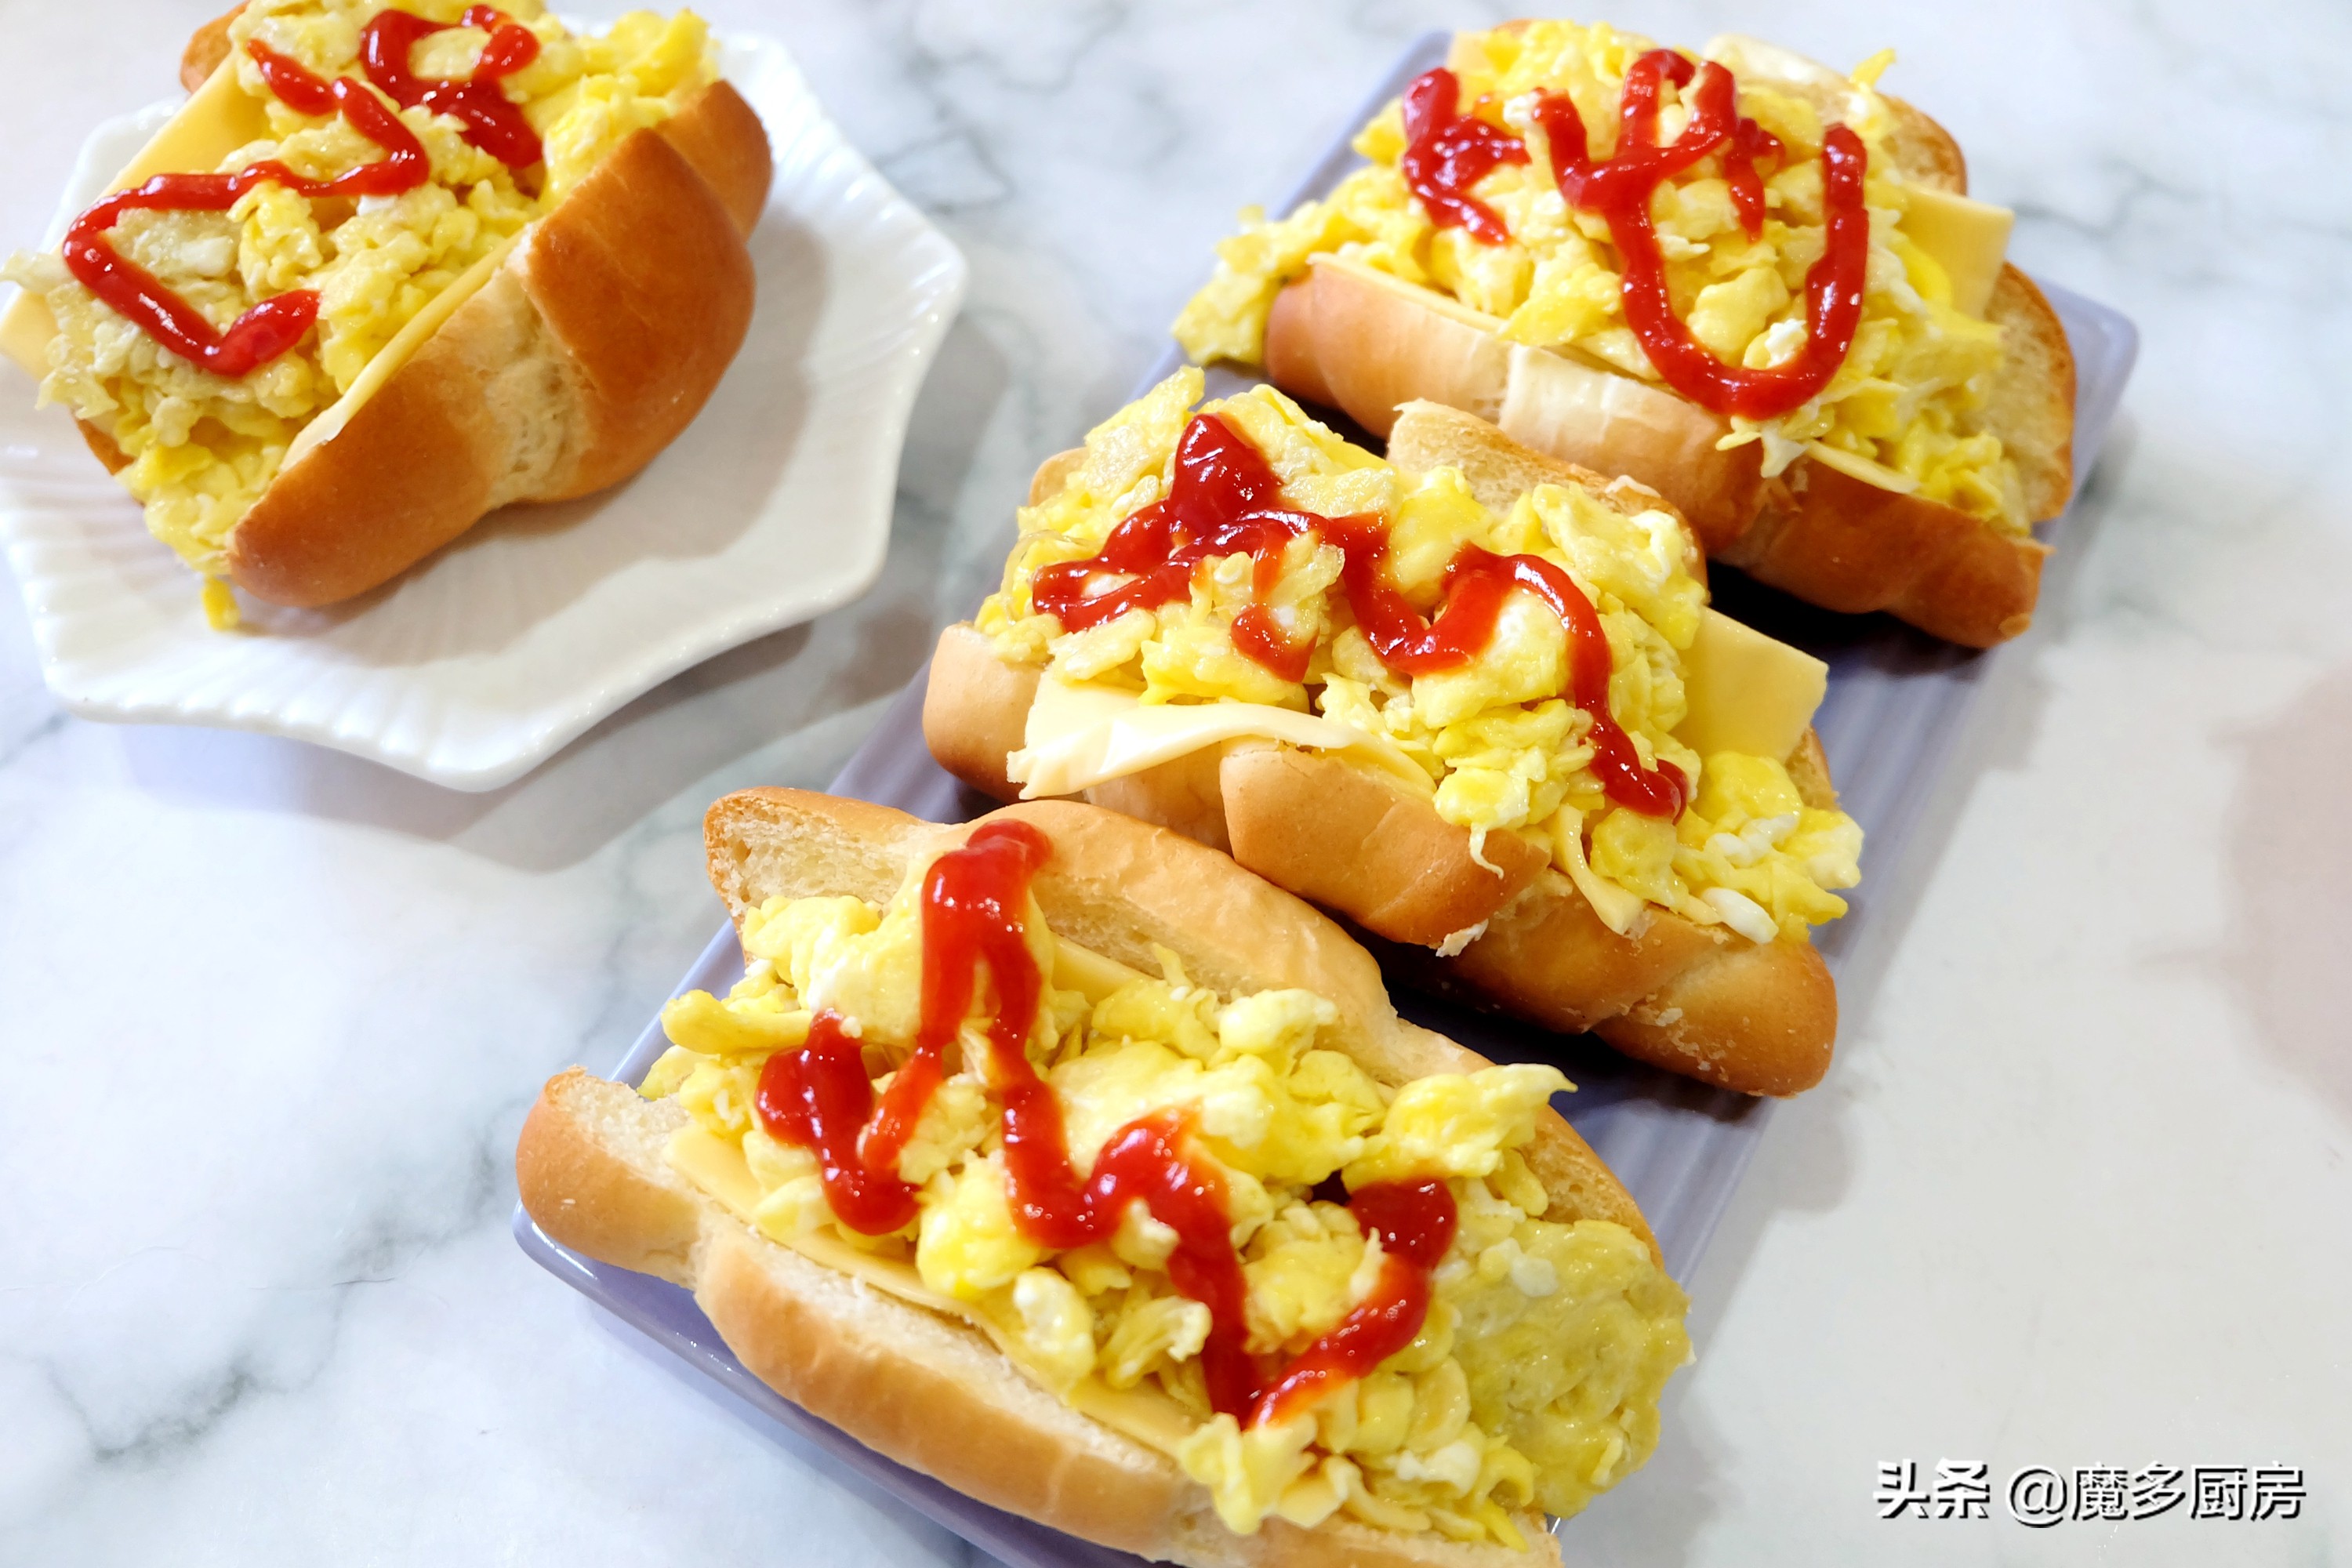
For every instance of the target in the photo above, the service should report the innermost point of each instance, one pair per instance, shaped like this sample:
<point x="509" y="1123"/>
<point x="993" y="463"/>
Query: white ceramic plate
<point x="774" y="507"/>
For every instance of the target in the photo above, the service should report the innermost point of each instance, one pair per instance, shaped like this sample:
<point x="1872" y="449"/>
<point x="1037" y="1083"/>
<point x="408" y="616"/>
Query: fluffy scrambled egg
<point x="202" y="447"/>
<point x="1504" y="751"/>
<point x="1909" y="396"/>
<point x="1534" y="1382"/>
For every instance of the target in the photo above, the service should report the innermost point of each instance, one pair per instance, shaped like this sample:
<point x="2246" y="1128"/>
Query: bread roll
<point x="1692" y="999"/>
<point x="594" y="342"/>
<point x="1365" y="341"/>
<point x="923" y="1386"/>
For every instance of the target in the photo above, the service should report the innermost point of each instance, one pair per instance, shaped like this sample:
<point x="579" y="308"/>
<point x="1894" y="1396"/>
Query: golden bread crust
<point x="207" y="46"/>
<point x="581" y="1186"/>
<point x="1774" y="999"/>
<point x="720" y="136"/>
<point x="2032" y="406"/>
<point x="1342" y="346"/>
<point x="927" y="1390"/>
<point x="946" y="1414"/>
<point x="976" y="709"/>
<point x="593" y="344"/>
<point x="923" y="1389"/>
<point x="1548" y="958"/>
<point x="1925" y="151"/>
<point x="1845" y="544"/>
<point x="1366" y="342"/>
<point x="1346" y="838"/>
<point x="1690" y="999"/>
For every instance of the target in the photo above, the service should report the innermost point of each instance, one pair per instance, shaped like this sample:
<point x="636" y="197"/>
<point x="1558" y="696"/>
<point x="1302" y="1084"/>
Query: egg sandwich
<point x="392" y="267"/>
<point x="1469" y="697"/>
<point x="1751" y="283"/>
<point x="1060" y="1158"/>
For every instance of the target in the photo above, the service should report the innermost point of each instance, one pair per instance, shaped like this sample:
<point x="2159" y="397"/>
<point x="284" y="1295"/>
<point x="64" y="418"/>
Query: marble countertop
<point x="2075" y="1195"/>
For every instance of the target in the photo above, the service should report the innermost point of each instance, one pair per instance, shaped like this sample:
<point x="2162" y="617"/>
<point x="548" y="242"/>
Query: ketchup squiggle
<point x="1443" y="160"/>
<point x="274" y="326"/>
<point x="819" y="1097"/>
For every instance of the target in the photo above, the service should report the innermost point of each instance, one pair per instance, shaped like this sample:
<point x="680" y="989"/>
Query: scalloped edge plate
<point x="469" y="670"/>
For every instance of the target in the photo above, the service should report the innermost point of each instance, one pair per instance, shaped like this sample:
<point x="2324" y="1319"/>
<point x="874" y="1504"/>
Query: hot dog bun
<point x="1366" y="342"/>
<point x="592" y="344"/>
<point x="1696" y="1000"/>
<point x="925" y="1388"/>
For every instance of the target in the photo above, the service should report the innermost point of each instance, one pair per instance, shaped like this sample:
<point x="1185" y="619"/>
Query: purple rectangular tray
<point x="1896" y="701"/>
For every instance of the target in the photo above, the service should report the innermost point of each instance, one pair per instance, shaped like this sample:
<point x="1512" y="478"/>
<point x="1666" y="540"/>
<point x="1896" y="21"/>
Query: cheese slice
<point x="395" y="353"/>
<point x="1080" y="734"/>
<point x="1143" y="1412"/>
<point x="26" y="332"/>
<point x="1747" y="692"/>
<point x="219" y="118"/>
<point x="1089" y="972"/>
<point x="1867" y="469"/>
<point x="1967" y="239"/>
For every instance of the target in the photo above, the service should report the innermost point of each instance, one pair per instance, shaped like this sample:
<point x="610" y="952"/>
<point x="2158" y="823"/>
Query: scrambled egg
<point x="1909" y="396"/>
<point x="1504" y="751"/>
<point x="1535" y="1379"/>
<point x="202" y="447"/>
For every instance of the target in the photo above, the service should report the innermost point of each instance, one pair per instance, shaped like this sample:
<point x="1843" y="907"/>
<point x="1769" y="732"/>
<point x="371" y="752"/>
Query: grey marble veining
<point x="273" y="1016"/>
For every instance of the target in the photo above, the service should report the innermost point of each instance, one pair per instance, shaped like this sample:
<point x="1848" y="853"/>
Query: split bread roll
<point x="1499" y="921"/>
<point x="853" y="1336"/>
<point x="1365" y="343"/>
<point x="1833" y="528"/>
<point x="560" y="363"/>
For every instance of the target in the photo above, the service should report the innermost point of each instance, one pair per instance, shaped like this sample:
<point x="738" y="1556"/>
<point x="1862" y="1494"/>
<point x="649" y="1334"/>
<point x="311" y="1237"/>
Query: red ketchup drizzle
<point x="819" y="1098"/>
<point x="1447" y="152"/>
<point x="1414" y="1221"/>
<point x="1619" y="190"/>
<point x="493" y="123"/>
<point x="277" y="324"/>
<point x="1477" y="582"/>
<point x="1225" y="501"/>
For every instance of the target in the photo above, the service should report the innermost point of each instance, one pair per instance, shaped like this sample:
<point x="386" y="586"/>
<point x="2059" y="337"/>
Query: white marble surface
<point x="2075" y="1193"/>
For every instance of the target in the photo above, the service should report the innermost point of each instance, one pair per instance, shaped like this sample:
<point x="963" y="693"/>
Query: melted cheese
<point x="1624" y="912"/>
<point x="1967" y="239"/>
<point x="1082" y="735"/>
<point x="1855" y="465"/>
<point x="218" y="119"/>
<point x="1747" y="692"/>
